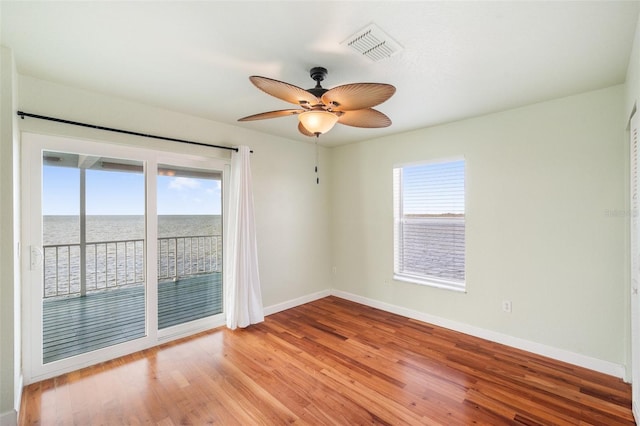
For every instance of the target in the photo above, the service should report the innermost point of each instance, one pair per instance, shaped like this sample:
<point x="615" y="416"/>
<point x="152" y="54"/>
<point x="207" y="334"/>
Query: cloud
<point x="181" y="183"/>
<point x="215" y="189"/>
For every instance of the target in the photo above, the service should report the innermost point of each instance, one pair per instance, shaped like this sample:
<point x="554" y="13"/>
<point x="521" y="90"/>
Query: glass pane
<point x="429" y="217"/>
<point x="189" y="244"/>
<point x="93" y="244"/>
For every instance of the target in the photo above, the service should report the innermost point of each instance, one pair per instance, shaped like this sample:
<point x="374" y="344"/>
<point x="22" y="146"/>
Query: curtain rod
<point x="22" y="115"/>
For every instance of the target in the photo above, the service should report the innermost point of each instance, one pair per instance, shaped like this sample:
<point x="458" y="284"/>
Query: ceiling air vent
<point x="373" y="43"/>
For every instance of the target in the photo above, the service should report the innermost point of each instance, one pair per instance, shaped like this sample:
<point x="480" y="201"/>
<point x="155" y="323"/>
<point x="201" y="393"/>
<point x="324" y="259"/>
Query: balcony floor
<point x="77" y="325"/>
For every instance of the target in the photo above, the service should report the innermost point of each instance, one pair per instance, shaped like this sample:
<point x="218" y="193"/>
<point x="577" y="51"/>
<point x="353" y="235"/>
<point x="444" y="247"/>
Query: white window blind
<point x="429" y="224"/>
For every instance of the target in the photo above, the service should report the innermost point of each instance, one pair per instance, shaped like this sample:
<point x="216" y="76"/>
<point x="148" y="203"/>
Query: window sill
<point x="432" y="282"/>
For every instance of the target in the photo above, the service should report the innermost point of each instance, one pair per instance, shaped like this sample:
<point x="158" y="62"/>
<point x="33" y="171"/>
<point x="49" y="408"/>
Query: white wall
<point x="632" y="83"/>
<point x="10" y="354"/>
<point x="546" y="222"/>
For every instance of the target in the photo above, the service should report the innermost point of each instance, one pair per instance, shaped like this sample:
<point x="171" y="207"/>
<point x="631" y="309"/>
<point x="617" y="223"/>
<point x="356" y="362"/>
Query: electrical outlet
<point x="334" y="270"/>
<point x="506" y="306"/>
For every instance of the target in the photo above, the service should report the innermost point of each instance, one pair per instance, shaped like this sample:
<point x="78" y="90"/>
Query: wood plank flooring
<point x="77" y="325"/>
<point x="330" y="362"/>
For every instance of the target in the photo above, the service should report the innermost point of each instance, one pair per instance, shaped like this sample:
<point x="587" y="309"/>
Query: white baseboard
<point x="269" y="310"/>
<point x="10" y="418"/>
<point x="605" y="367"/>
<point x="634" y="411"/>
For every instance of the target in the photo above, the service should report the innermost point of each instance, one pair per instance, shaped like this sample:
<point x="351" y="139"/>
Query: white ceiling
<point x="460" y="59"/>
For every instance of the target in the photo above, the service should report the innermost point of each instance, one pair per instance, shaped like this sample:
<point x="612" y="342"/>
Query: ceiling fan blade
<point x="368" y="118"/>
<point x="304" y="130"/>
<point x="271" y="114"/>
<point x="350" y="97"/>
<point x="285" y="91"/>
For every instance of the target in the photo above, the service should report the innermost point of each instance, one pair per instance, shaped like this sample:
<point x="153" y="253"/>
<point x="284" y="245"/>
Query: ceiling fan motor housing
<point x="318" y="74"/>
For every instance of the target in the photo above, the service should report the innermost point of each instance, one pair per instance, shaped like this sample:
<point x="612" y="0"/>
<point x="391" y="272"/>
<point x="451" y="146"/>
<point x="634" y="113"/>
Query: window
<point x="429" y="224"/>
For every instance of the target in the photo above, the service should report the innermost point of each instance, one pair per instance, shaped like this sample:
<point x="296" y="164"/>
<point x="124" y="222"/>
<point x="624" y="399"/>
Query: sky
<point x="433" y="188"/>
<point x="122" y="193"/>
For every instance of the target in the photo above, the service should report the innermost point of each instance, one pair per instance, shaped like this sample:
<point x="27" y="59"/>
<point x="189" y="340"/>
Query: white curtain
<point x="243" y="301"/>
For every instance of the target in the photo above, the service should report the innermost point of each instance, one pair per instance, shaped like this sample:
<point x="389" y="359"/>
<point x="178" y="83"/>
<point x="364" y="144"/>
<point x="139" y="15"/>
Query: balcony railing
<point x="180" y="257"/>
<point x="114" y="264"/>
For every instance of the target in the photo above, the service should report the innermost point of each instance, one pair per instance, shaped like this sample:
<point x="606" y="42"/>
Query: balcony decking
<point x="77" y="325"/>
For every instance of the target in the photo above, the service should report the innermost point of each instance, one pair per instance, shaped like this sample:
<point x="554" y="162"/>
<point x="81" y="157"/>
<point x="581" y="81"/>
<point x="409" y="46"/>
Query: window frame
<point x="399" y="220"/>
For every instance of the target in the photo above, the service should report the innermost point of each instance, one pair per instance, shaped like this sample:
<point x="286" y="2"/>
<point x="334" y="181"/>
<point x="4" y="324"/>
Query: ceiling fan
<point x="320" y="108"/>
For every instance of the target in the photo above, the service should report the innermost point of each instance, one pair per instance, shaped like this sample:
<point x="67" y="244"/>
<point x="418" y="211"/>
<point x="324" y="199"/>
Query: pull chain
<point x="317" y="177"/>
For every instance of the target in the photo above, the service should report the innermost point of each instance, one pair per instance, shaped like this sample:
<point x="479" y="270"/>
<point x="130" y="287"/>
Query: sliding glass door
<point x="123" y="250"/>
<point x="189" y="244"/>
<point x="93" y="232"/>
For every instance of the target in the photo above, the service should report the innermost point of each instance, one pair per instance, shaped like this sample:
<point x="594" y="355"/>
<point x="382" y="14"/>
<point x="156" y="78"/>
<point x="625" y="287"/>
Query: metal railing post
<point x="83" y="234"/>
<point x="175" y="258"/>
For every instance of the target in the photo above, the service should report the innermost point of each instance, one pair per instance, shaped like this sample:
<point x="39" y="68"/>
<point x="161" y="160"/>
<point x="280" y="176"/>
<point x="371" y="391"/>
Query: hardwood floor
<point x="330" y="362"/>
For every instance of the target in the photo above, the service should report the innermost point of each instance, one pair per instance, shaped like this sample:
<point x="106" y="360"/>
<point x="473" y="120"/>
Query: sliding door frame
<point x="33" y="145"/>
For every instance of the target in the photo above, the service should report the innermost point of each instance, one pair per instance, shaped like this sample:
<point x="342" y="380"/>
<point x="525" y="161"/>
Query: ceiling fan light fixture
<point x="318" y="121"/>
<point x="320" y="109"/>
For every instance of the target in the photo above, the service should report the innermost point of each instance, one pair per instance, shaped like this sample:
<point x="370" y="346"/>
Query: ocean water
<point x="434" y="247"/>
<point x="66" y="229"/>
